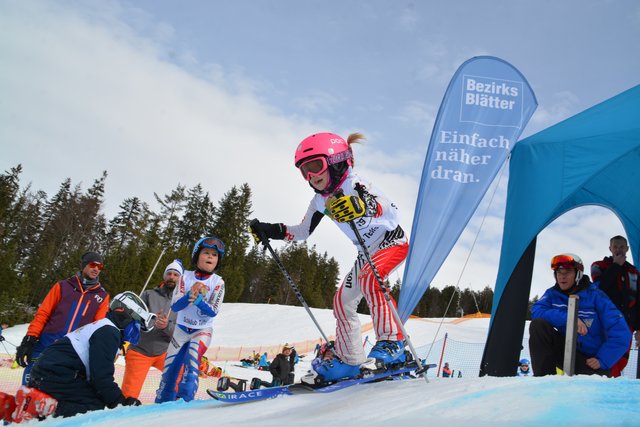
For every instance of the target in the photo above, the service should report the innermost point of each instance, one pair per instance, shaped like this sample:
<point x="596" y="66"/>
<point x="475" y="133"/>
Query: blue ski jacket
<point x="608" y="335"/>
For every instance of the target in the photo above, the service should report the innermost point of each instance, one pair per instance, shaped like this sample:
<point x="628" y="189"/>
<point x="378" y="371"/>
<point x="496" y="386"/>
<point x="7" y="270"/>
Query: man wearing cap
<point x="603" y="335"/>
<point x="70" y="304"/>
<point x="151" y="350"/>
<point x="281" y="366"/>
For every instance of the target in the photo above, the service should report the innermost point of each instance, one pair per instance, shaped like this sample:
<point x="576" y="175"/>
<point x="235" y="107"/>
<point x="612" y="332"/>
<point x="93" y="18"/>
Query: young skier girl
<point x="326" y="162"/>
<point x="196" y="300"/>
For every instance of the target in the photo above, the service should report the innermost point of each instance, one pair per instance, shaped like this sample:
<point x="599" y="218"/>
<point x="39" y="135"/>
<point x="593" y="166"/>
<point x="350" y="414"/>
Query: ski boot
<point x="333" y="369"/>
<point x="389" y="354"/>
<point x="257" y="383"/>
<point x="224" y="383"/>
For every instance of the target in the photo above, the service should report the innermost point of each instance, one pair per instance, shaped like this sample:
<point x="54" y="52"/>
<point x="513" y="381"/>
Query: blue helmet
<point x="207" y="242"/>
<point x="524" y="361"/>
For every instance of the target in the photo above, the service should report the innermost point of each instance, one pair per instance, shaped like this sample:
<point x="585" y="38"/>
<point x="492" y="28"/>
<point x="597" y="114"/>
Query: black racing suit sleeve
<point x="315" y="220"/>
<point x="103" y="347"/>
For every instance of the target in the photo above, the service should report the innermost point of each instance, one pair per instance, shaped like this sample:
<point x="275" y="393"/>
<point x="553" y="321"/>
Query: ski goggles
<point x="212" y="242"/>
<point x="563" y="261"/>
<point x="313" y="167"/>
<point x="97" y="265"/>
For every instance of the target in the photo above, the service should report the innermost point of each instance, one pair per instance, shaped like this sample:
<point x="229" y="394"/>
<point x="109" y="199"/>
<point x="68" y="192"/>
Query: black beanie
<point x="89" y="257"/>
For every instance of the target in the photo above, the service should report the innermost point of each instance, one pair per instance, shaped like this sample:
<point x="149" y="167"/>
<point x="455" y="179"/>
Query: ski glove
<point x="24" y="350"/>
<point x="346" y="208"/>
<point x="131" y="401"/>
<point x="264" y="230"/>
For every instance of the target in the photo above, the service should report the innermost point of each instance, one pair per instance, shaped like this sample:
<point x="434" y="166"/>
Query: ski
<point x="271" y="392"/>
<point x="248" y="395"/>
<point x="397" y="374"/>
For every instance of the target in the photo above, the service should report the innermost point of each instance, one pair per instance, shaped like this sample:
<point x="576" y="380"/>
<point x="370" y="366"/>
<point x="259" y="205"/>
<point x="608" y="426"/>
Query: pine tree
<point x="19" y="226"/>
<point x="124" y="266"/>
<point x="69" y="225"/>
<point x="9" y="187"/>
<point x="328" y="280"/>
<point x="171" y="207"/>
<point x="485" y="300"/>
<point x="256" y="265"/>
<point x="198" y="217"/>
<point x="44" y="266"/>
<point x="231" y="224"/>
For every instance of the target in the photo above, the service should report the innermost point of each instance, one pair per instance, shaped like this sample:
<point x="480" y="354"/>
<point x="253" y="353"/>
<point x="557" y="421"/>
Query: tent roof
<point x="592" y="158"/>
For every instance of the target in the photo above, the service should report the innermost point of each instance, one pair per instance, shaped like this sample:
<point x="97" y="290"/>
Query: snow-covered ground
<point x="570" y="401"/>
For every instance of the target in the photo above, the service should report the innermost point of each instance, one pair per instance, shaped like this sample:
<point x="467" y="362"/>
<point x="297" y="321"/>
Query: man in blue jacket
<point x="603" y="335"/>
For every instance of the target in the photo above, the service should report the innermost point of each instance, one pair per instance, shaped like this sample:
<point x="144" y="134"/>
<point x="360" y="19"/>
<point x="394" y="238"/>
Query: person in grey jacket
<point x="151" y="350"/>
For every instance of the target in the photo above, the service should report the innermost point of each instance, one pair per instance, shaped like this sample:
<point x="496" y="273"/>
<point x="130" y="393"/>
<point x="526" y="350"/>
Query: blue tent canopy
<point x="592" y="158"/>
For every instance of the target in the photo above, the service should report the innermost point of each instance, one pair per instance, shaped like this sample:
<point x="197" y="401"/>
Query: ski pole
<point x="152" y="270"/>
<point x="173" y="208"/>
<point x="385" y="292"/>
<point x="5" y="347"/>
<point x="265" y="241"/>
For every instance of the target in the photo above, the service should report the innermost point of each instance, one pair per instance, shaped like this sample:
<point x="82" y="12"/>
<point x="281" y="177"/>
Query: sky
<point x="488" y="401"/>
<point x="159" y="93"/>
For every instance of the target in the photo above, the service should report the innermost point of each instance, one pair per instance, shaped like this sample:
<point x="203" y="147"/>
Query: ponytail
<point x="354" y="138"/>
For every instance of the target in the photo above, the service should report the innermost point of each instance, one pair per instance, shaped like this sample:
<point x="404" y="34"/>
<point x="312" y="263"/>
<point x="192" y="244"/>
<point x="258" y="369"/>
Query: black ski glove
<point x="24" y="350"/>
<point x="131" y="401"/>
<point x="264" y="230"/>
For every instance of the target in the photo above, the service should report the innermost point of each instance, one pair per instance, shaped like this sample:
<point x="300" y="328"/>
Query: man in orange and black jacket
<point x="70" y="304"/>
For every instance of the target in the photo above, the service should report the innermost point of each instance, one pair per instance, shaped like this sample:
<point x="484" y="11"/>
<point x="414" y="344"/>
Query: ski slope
<point x="579" y="401"/>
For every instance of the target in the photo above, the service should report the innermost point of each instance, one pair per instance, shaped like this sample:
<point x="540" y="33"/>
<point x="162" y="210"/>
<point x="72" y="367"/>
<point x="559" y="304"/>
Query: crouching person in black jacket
<point x="281" y="366"/>
<point x="77" y="370"/>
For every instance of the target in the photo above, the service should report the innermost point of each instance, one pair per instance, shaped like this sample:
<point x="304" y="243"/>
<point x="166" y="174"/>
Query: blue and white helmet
<point x="208" y="242"/>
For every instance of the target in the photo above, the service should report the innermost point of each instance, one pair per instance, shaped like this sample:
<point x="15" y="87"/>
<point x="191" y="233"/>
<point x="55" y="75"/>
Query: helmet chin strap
<point x="202" y="272"/>
<point x="335" y="179"/>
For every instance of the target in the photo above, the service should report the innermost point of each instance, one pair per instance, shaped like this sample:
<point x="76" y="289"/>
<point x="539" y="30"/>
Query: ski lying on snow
<point x="248" y="395"/>
<point x="271" y="392"/>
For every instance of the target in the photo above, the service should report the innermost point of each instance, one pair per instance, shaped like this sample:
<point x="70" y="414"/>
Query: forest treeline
<point x="43" y="237"/>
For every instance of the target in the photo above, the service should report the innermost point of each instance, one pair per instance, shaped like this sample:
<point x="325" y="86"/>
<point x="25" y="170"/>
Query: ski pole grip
<point x="262" y="237"/>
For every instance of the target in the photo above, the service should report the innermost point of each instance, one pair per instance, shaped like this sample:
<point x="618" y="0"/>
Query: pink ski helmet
<point x="330" y="145"/>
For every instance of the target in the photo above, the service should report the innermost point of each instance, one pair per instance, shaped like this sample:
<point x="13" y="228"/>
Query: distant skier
<point x="446" y="371"/>
<point x="263" y="364"/>
<point x="523" y="368"/>
<point x="196" y="300"/>
<point x="326" y="161"/>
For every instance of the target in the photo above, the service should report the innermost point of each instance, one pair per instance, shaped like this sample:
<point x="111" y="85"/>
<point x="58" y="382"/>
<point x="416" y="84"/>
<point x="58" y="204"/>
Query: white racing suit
<point x="191" y="337"/>
<point x="388" y="246"/>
